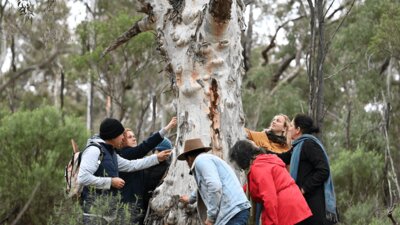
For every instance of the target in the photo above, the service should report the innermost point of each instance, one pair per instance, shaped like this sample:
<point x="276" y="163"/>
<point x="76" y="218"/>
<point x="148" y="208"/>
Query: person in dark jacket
<point x="133" y="192"/>
<point x="155" y="174"/>
<point x="309" y="167"/>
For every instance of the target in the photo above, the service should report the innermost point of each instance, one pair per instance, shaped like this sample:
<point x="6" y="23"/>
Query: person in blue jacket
<point x="217" y="186"/>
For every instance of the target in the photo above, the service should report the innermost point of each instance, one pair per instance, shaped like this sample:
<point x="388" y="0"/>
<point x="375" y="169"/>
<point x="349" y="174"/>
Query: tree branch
<point x="44" y="64"/>
<point x="287" y="79"/>
<point x="247" y="41"/>
<point x="140" y="26"/>
<point x="220" y="10"/>
<point x="89" y="9"/>
<point x="248" y="2"/>
<point x="284" y="65"/>
<point x="26" y="204"/>
<point x="144" y="7"/>
<point x="338" y="27"/>
<point x="272" y="44"/>
<point x="340" y="8"/>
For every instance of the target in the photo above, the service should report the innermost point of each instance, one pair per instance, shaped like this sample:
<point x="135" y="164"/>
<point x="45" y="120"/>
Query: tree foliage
<point x="35" y="148"/>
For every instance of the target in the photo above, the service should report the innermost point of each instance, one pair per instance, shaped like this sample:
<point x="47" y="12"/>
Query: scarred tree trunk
<point x="200" y="41"/>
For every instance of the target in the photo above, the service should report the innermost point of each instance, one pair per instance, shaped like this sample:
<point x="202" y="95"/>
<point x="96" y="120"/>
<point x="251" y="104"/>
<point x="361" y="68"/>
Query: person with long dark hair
<point x="309" y="167"/>
<point x="269" y="183"/>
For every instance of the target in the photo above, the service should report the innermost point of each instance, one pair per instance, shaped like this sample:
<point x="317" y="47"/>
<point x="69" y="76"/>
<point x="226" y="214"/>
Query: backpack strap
<point x="100" y="147"/>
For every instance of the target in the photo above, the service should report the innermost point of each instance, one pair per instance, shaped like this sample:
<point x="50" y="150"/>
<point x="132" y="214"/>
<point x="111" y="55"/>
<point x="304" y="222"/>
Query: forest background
<point x="55" y="86"/>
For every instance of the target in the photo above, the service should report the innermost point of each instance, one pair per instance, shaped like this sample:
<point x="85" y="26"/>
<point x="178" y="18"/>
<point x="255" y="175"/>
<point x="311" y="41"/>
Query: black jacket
<point x="312" y="173"/>
<point x="133" y="190"/>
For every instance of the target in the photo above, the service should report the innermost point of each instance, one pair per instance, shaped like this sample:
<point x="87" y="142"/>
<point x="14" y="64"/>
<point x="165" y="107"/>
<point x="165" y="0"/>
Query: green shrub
<point x="69" y="213"/>
<point x="35" y="147"/>
<point x="358" y="183"/>
<point x="361" y="213"/>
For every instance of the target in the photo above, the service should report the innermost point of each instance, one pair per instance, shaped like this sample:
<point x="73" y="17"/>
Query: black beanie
<point x="110" y="128"/>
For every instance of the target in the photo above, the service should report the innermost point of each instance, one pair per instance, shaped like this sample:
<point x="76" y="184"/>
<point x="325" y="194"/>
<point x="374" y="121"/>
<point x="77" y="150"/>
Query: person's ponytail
<point x="306" y="124"/>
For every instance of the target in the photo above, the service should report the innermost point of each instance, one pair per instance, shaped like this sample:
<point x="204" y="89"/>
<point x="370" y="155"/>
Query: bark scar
<point x="214" y="117"/>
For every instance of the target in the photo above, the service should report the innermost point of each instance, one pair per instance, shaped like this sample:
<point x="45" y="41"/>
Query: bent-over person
<point x="217" y="186"/>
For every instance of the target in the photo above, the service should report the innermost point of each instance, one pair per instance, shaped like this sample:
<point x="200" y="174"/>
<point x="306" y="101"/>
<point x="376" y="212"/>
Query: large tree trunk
<point x="200" y="41"/>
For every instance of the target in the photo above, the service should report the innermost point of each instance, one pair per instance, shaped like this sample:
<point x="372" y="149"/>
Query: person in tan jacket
<point x="276" y="138"/>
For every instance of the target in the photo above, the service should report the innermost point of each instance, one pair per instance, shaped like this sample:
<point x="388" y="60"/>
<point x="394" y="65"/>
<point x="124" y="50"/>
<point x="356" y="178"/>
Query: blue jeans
<point x="240" y="218"/>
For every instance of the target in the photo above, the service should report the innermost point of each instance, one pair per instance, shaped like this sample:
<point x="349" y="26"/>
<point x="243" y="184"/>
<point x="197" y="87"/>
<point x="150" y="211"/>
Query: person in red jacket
<point x="270" y="184"/>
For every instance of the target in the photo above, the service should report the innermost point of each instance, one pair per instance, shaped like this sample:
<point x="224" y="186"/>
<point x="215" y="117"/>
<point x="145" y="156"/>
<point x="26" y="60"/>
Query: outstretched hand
<point x="163" y="155"/>
<point x="171" y="124"/>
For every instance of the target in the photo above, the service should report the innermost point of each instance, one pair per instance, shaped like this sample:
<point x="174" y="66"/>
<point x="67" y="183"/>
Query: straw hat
<point x="192" y="145"/>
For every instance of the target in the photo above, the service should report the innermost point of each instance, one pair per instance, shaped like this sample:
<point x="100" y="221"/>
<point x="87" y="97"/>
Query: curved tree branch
<point x="340" y="8"/>
<point x="16" y="75"/>
<point x="284" y="65"/>
<point x="140" y="26"/>
<point x="272" y="44"/>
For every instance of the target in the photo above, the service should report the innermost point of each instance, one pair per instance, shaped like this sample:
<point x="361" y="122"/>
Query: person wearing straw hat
<point x="217" y="186"/>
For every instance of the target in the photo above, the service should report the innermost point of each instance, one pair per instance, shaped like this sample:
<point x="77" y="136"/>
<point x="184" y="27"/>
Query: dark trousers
<point x="240" y="218"/>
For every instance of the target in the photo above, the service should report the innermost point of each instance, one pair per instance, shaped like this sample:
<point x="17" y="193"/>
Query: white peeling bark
<point x="204" y="55"/>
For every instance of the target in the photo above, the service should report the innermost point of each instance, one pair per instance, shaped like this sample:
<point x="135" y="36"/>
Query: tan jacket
<point x="261" y="140"/>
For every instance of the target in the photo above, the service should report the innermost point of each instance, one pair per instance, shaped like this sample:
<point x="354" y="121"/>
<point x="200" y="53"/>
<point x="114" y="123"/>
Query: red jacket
<point x="271" y="184"/>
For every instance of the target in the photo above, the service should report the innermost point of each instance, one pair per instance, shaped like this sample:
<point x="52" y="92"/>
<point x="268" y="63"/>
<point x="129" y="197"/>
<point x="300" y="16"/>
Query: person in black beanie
<point x="99" y="170"/>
